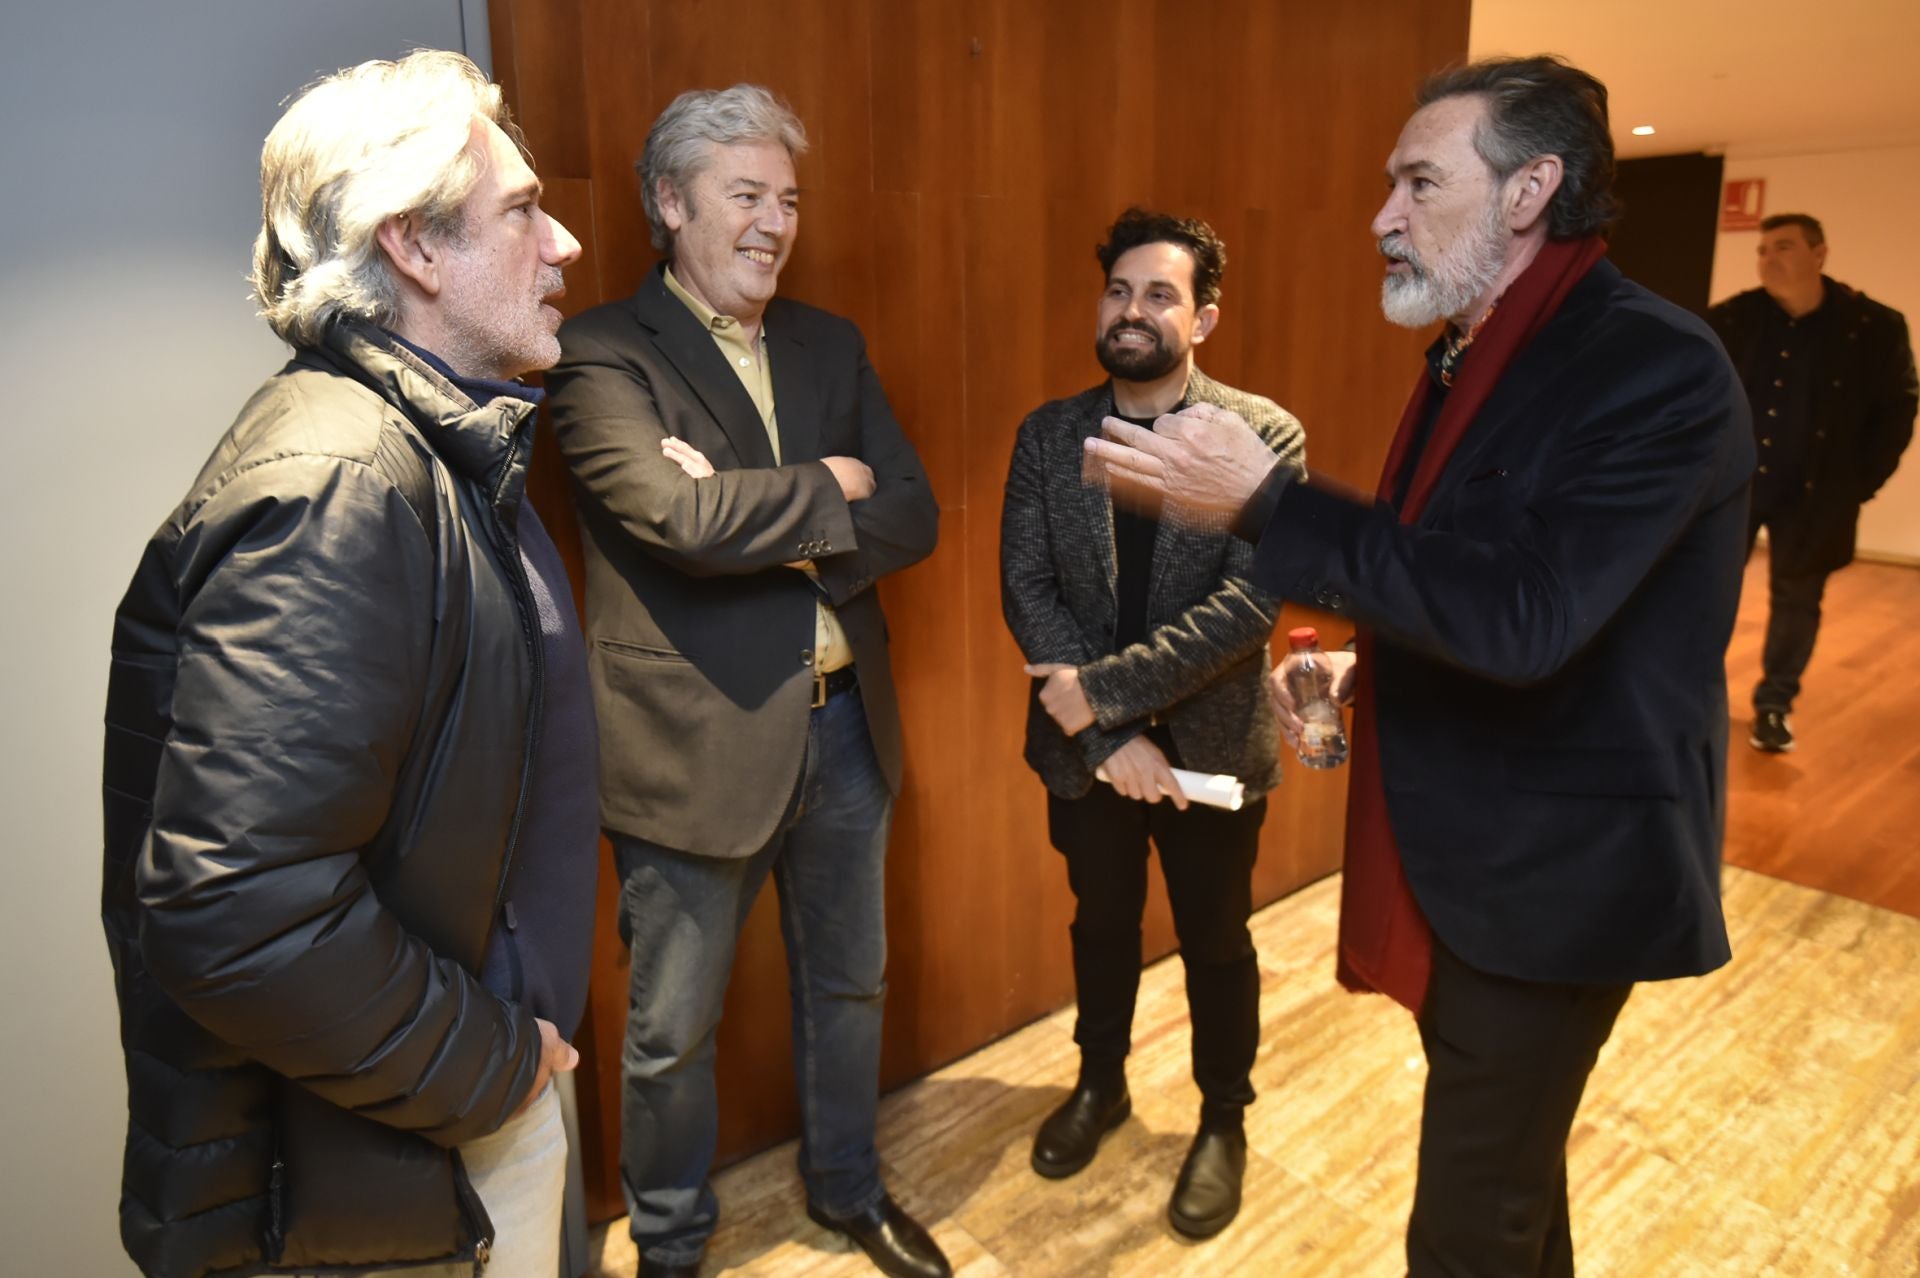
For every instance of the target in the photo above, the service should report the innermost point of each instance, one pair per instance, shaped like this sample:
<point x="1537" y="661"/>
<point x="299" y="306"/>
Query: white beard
<point x="1430" y="292"/>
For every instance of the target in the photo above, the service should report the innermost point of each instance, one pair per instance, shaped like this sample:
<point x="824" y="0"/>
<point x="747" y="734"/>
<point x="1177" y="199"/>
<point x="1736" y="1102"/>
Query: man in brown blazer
<point x="742" y="484"/>
<point x="1147" y="648"/>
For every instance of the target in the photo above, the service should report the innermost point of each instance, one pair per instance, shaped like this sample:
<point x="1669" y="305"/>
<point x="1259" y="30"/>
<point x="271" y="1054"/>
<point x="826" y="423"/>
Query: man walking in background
<point x="1830" y="375"/>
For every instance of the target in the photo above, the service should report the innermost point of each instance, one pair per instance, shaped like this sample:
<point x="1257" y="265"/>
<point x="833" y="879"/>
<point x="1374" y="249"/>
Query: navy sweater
<point x="542" y="942"/>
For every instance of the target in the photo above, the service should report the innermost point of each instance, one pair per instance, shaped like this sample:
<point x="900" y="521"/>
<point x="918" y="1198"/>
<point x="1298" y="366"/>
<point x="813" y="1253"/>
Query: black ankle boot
<point x="1206" y="1197"/>
<point x="1070" y="1136"/>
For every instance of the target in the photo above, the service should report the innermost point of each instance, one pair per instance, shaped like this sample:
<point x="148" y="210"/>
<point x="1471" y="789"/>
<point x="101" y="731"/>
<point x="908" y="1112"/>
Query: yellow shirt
<point x="752" y="364"/>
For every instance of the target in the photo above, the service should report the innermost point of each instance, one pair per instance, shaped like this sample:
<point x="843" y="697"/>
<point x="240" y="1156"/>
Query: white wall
<point x="1866" y="201"/>
<point x="130" y="163"/>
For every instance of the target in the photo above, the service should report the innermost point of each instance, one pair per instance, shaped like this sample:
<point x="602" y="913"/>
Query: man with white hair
<point x="1544" y="584"/>
<point x="742" y="486"/>
<point x="348" y="787"/>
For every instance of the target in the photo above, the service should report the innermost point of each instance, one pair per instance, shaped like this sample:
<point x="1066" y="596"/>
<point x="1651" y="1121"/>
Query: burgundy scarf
<point x="1385" y="942"/>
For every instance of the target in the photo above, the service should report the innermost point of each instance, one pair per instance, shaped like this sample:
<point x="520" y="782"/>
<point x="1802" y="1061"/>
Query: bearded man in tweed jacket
<point x="1147" y="647"/>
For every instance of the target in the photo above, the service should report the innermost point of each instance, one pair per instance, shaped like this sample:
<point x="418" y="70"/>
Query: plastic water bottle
<point x="1323" y="738"/>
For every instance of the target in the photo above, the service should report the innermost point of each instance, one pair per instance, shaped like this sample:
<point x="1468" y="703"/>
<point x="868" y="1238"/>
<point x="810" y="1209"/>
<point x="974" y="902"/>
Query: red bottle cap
<point x="1302" y="638"/>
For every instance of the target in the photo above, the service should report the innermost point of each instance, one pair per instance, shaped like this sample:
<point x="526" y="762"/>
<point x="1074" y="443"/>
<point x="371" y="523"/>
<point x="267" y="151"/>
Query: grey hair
<point x="676" y="147"/>
<point x="365" y="144"/>
<point x="1543" y="105"/>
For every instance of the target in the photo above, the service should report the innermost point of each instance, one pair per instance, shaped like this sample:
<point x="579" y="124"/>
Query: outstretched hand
<point x="1204" y="459"/>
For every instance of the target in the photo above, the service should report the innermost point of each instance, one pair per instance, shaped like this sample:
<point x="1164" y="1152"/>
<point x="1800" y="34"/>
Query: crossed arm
<point x="875" y="512"/>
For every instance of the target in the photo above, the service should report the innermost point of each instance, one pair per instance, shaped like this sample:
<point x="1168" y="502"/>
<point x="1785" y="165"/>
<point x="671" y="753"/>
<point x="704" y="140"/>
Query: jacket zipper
<point x="475" y="1211"/>
<point x="530" y="631"/>
<point x="276" y="1200"/>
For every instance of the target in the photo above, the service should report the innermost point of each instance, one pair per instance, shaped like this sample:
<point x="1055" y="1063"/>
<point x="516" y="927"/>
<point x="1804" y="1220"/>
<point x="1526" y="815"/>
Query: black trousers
<point x="1793" y="611"/>
<point x="1507" y="1061"/>
<point x="1206" y="858"/>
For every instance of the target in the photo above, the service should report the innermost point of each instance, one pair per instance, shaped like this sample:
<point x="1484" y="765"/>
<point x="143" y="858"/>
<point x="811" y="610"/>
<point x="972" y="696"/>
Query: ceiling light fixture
<point x="1643" y="130"/>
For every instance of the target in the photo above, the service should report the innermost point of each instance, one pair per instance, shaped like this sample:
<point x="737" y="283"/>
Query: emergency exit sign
<point x="1743" y="204"/>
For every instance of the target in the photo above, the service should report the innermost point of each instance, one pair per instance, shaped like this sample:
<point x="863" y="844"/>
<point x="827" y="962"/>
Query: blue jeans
<point x="682" y="915"/>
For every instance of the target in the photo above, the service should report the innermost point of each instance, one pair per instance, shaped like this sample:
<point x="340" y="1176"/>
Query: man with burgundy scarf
<point x="1543" y="585"/>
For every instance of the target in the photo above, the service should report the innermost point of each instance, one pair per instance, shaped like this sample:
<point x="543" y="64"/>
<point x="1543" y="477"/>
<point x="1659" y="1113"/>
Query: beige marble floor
<point x="1764" y="1120"/>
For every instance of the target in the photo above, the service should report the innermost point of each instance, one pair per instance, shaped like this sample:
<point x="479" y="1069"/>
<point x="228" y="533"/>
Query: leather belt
<point x="832" y="684"/>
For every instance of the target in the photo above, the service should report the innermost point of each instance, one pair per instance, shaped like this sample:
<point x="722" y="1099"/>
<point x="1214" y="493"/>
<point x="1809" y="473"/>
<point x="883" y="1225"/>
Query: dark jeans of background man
<point x="1793" y="613"/>
<point x="1507" y="1061"/>
<point x="1206" y="858"/>
<point x="682" y="915"/>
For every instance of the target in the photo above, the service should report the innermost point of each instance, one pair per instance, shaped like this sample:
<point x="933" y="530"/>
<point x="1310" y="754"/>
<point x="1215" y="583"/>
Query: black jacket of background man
<point x="317" y="734"/>
<point x="1864" y="396"/>
<point x="1551" y="631"/>
<point x="701" y="642"/>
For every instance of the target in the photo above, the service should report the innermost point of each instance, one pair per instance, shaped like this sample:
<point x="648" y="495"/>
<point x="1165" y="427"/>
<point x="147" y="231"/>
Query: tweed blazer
<point x="1200" y="668"/>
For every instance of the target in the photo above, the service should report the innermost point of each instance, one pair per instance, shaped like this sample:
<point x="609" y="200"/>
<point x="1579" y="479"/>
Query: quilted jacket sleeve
<point x="306" y="585"/>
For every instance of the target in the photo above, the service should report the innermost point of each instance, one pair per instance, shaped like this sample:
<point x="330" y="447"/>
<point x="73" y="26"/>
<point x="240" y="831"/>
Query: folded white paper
<point x="1216" y="790"/>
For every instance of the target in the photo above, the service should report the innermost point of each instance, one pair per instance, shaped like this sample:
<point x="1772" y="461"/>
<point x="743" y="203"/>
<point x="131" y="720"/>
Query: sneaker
<point x="1770" y="732"/>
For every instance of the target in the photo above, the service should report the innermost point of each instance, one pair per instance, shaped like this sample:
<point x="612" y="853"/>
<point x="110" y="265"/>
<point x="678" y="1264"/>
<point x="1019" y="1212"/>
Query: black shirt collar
<point x="1113" y="407"/>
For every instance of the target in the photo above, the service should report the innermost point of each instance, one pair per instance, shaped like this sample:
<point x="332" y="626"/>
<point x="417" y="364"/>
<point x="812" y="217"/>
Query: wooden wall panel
<point x="615" y="36"/>
<point x="966" y="156"/>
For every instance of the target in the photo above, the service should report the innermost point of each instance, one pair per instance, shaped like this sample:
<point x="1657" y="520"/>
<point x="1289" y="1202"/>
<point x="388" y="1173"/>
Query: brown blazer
<point x="701" y="642"/>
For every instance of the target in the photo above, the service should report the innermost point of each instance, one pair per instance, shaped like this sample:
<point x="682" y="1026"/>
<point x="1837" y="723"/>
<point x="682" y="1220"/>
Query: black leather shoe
<point x="1070" y="1136"/>
<point x="1206" y="1197"/>
<point x="893" y="1240"/>
<point x="651" y="1269"/>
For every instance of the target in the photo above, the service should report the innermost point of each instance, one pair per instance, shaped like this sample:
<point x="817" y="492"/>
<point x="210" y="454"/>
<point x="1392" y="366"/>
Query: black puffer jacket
<point x="317" y="737"/>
